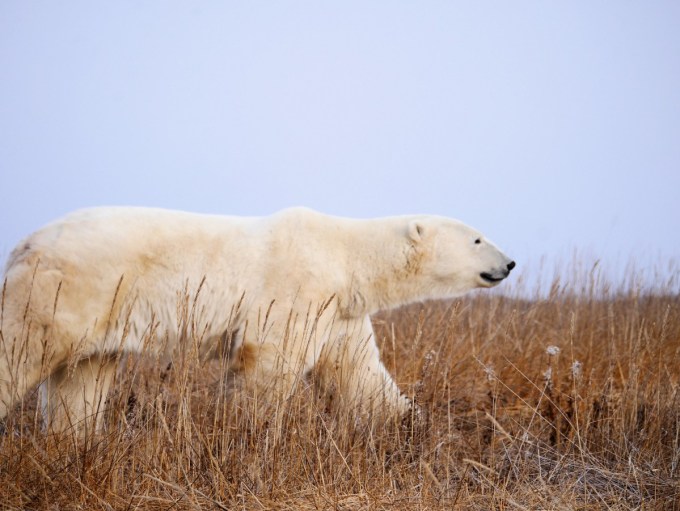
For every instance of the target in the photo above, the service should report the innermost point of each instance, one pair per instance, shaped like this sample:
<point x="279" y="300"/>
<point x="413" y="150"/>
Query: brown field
<point x="507" y="421"/>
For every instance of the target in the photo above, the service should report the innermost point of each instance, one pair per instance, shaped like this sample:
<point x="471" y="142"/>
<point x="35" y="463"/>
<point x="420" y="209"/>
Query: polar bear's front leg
<point x="351" y="371"/>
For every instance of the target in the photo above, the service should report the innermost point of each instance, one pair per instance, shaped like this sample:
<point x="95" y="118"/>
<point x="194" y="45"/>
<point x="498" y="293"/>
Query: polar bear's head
<point x="456" y="257"/>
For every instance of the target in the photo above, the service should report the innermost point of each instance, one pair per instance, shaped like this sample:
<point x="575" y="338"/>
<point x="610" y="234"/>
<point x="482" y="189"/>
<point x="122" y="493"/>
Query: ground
<point x="558" y="402"/>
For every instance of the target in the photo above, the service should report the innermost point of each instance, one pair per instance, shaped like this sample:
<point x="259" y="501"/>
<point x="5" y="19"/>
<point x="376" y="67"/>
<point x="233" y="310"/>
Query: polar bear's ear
<point x="416" y="230"/>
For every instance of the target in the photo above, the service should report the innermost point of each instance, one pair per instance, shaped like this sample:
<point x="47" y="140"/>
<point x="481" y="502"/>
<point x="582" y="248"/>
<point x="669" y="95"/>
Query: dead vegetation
<point x="570" y="401"/>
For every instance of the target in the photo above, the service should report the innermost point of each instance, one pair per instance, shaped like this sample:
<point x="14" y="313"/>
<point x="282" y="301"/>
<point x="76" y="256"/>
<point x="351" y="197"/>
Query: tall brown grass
<point x="565" y="401"/>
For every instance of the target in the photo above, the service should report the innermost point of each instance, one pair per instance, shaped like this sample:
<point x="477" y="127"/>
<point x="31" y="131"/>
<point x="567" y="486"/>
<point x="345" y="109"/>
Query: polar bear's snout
<point x="494" y="277"/>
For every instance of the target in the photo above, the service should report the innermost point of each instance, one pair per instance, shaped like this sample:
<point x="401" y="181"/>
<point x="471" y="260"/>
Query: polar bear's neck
<point x="385" y="268"/>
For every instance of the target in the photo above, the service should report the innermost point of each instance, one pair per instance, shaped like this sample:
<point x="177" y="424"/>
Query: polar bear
<point x="281" y="295"/>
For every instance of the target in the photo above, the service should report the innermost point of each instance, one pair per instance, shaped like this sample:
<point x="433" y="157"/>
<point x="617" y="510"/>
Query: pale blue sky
<point x="548" y="125"/>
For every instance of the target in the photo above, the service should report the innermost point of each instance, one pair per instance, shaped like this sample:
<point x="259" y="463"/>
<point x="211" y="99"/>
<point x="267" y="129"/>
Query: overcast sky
<point x="550" y="126"/>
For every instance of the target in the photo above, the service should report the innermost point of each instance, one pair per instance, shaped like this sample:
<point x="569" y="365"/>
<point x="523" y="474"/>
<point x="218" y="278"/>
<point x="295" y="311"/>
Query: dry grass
<point x="506" y="421"/>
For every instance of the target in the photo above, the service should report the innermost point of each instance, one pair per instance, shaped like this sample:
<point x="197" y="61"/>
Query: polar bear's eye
<point x="478" y="241"/>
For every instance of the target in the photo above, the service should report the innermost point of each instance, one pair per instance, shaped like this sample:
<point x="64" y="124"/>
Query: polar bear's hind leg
<point x="74" y="397"/>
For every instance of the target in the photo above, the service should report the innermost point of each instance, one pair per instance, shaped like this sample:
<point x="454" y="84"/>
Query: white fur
<point x="106" y="281"/>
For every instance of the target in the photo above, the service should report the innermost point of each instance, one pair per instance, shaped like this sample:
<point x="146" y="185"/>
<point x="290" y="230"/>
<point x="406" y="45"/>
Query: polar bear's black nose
<point x="511" y="265"/>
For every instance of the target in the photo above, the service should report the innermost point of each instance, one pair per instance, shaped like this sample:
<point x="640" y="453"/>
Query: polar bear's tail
<point x="23" y="337"/>
<point x="19" y="368"/>
<point x="13" y="356"/>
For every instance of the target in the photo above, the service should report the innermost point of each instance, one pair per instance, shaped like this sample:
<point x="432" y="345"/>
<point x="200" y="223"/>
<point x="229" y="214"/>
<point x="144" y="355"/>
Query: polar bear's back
<point x="117" y="235"/>
<point x="73" y="271"/>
